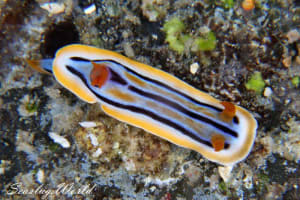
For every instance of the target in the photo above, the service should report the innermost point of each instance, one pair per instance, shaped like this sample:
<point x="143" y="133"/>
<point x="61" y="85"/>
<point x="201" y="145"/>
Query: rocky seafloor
<point x="50" y="139"/>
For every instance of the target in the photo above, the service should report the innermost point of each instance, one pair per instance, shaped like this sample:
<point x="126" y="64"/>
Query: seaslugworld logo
<point x="62" y="189"/>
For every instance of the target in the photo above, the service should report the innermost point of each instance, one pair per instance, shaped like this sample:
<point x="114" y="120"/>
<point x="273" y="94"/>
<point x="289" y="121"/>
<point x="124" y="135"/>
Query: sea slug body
<point x="155" y="101"/>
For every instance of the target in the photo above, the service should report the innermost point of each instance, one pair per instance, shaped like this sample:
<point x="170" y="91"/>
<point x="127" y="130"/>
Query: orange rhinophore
<point x="248" y="5"/>
<point x="229" y="111"/>
<point x="37" y="65"/>
<point x="218" y="142"/>
<point x="99" y="74"/>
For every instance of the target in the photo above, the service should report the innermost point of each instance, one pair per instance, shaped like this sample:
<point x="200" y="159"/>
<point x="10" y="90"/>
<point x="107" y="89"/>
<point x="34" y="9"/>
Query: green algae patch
<point x="174" y="36"/>
<point x="31" y="107"/>
<point x="256" y="83"/>
<point x="296" y="81"/>
<point x="173" y="26"/>
<point x="54" y="147"/>
<point x="263" y="181"/>
<point x="177" y="43"/>
<point x="228" y="4"/>
<point x="206" y="43"/>
<point x="224" y="188"/>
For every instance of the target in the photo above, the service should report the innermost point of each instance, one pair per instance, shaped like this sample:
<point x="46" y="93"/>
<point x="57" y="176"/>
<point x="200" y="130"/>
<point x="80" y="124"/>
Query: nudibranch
<point x="155" y="101"/>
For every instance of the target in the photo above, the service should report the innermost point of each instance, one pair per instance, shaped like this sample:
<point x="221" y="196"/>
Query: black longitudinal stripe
<point x="80" y="59"/>
<point x="151" y="80"/>
<point x="144" y="112"/>
<point x="183" y="110"/>
<point x="116" y="77"/>
<point x="235" y="118"/>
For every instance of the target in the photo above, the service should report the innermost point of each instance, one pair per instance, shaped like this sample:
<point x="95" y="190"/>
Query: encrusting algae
<point x="113" y="144"/>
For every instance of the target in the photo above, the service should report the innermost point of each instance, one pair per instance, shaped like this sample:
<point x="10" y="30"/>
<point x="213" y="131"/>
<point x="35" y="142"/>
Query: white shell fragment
<point x="116" y="145"/>
<point x="87" y="124"/>
<point x="40" y="176"/>
<point x="194" y="67"/>
<point x="53" y="8"/>
<point x="59" y="139"/>
<point x="160" y="182"/>
<point x="93" y="139"/>
<point x="267" y="92"/>
<point x="97" y="153"/>
<point x="90" y="9"/>
<point x="225" y="172"/>
<point x="293" y="36"/>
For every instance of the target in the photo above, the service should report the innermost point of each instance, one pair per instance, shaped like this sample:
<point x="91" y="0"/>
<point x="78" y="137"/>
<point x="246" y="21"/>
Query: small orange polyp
<point x="229" y="111"/>
<point x="99" y="74"/>
<point x="218" y="142"/>
<point x="248" y="5"/>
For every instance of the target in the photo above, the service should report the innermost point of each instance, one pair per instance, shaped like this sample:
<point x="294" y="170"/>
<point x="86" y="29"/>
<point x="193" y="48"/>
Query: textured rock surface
<point x="117" y="161"/>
